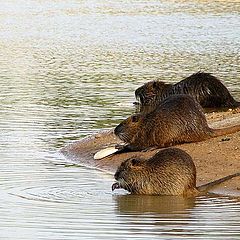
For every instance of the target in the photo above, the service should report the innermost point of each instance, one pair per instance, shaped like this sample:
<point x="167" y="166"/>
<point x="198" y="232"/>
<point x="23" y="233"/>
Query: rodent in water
<point x="177" y="119"/>
<point x="169" y="172"/>
<point x="206" y="89"/>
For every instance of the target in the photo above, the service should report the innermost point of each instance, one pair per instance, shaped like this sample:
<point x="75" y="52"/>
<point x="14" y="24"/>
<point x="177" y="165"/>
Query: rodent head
<point x="129" y="175"/>
<point x="128" y="128"/>
<point x="148" y="93"/>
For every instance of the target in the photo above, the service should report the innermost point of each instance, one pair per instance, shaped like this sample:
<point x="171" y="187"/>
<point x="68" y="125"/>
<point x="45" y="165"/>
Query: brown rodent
<point x="177" y="119"/>
<point x="206" y="89"/>
<point x="169" y="172"/>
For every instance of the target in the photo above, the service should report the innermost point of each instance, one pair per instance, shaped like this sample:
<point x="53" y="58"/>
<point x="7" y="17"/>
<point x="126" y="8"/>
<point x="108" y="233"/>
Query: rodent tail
<point x="227" y="130"/>
<point x="206" y="187"/>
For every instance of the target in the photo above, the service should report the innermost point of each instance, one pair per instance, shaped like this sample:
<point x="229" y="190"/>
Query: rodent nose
<point x="138" y="92"/>
<point x="117" y="175"/>
<point x="118" y="129"/>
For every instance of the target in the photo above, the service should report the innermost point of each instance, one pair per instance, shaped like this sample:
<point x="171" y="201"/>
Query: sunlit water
<point x="68" y="69"/>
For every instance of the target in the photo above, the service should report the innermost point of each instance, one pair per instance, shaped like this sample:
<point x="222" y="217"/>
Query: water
<point x="68" y="69"/>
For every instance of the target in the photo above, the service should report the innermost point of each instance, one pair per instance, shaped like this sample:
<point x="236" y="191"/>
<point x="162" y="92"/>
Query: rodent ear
<point x="135" y="118"/>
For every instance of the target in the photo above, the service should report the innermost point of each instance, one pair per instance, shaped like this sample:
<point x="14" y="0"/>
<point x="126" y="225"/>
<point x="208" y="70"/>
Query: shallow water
<point x="68" y="69"/>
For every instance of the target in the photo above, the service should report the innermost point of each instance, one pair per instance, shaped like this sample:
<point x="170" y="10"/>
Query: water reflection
<point x="154" y="204"/>
<point x="178" y="218"/>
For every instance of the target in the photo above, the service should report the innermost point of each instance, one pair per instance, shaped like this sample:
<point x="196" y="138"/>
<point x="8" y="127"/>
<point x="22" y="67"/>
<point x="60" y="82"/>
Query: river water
<point x="69" y="69"/>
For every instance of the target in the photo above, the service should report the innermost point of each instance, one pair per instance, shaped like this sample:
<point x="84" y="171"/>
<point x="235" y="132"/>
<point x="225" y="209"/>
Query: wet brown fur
<point x="177" y="119"/>
<point x="206" y="89"/>
<point x="169" y="172"/>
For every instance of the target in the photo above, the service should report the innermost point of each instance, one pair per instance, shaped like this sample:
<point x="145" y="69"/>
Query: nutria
<point x="206" y="89"/>
<point x="177" y="119"/>
<point x="169" y="172"/>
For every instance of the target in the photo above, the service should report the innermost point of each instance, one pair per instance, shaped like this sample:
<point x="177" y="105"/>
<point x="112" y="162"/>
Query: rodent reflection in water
<point x="154" y="204"/>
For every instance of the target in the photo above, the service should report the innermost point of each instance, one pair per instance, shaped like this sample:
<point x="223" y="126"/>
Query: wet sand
<point x="214" y="158"/>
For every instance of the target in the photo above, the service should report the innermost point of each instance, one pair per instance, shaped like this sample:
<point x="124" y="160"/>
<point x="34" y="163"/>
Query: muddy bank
<point x="214" y="158"/>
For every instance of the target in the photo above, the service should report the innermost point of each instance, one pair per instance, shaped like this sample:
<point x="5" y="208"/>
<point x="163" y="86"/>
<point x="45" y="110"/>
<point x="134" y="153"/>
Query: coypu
<point x="206" y="89"/>
<point x="169" y="172"/>
<point x="177" y="119"/>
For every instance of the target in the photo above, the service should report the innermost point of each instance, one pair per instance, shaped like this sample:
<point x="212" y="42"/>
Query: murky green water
<point x="68" y="69"/>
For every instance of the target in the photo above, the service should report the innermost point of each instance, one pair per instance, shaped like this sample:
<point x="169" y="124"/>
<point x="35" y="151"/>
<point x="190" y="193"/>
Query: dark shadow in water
<point x="176" y="217"/>
<point x="155" y="213"/>
<point x="154" y="204"/>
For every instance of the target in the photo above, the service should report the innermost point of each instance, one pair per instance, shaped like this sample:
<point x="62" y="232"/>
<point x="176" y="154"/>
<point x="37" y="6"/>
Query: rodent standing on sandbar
<point x="177" y="119"/>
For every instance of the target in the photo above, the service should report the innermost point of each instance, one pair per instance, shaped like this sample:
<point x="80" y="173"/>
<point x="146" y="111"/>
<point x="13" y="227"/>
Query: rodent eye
<point x="154" y="84"/>
<point x="134" y="118"/>
<point x="135" y="162"/>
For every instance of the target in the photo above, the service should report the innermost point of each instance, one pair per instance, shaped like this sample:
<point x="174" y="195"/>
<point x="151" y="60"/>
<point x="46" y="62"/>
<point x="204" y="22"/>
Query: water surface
<point x="68" y="69"/>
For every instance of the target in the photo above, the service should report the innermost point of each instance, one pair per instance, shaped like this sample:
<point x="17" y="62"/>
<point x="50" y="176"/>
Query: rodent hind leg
<point x="149" y="149"/>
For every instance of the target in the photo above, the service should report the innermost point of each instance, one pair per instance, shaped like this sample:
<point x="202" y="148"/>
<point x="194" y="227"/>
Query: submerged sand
<point x="214" y="158"/>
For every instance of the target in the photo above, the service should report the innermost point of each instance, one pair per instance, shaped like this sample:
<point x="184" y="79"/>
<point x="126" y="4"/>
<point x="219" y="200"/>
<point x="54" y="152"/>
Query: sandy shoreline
<point x="214" y="158"/>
